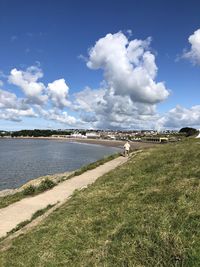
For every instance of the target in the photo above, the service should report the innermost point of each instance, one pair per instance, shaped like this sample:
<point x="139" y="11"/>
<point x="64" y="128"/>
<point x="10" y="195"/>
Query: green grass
<point x="144" y="213"/>
<point x="47" y="184"/>
<point x="30" y="190"/>
<point x="38" y="213"/>
<point x="7" y="200"/>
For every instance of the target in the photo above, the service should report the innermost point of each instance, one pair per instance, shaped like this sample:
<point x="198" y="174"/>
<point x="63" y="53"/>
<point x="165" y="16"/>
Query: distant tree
<point x="188" y="131"/>
<point x="38" y="133"/>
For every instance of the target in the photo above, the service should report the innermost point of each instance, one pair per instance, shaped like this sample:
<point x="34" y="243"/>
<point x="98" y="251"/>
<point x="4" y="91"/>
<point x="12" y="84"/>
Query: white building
<point x="93" y="135"/>
<point x="78" y="135"/>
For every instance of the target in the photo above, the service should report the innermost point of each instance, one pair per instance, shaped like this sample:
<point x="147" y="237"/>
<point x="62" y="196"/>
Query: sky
<point x="114" y="64"/>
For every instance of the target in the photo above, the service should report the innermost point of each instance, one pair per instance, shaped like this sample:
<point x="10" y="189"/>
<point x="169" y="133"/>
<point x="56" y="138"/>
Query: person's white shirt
<point x="127" y="146"/>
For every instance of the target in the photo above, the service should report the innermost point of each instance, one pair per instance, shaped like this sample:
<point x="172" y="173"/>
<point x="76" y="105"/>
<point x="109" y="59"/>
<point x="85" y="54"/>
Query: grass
<point x="144" y="213"/>
<point x="47" y="184"/>
<point x="7" y="200"/>
<point x="93" y="165"/>
<point x="38" y="213"/>
<point x="21" y="225"/>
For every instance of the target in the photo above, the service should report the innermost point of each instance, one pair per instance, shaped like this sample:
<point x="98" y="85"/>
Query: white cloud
<point x="14" y="108"/>
<point x="16" y="114"/>
<point x="1" y="83"/>
<point x="57" y="115"/>
<point x="194" y="53"/>
<point x="28" y="82"/>
<point x="103" y="109"/>
<point x="126" y="98"/>
<point x="129" y="32"/>
<point x="130" y="93"/>
<point x="179" y="117"/>
<point x="36" y="95"/>
<point x="10" y="100"/>
<point x="89" y="100"/>
<point x="7" y="99"/>
<point x="58" y="93"/>
<point x="63" y="117"/>
<point x="129" y="68"/>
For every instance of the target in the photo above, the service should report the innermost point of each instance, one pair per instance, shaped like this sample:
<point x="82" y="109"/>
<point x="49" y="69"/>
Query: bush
<point x="29" y="190"/>
<point x="188" y="131"/>
<point x="45" y="184"/>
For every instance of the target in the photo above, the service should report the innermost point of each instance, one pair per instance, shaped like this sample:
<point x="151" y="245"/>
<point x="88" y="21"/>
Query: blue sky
<point x="51" y="41"/>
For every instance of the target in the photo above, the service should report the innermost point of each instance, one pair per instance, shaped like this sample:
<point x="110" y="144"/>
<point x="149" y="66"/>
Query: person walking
<point x="126" y="149"/>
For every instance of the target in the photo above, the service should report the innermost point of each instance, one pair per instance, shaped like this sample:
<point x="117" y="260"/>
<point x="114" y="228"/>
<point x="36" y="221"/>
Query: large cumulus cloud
<point x="130" y="92"/>
<point x="129" y="68"/>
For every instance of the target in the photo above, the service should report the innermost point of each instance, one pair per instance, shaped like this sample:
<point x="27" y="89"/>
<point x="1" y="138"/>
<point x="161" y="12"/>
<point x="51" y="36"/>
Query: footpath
<point x="23" y="210"/>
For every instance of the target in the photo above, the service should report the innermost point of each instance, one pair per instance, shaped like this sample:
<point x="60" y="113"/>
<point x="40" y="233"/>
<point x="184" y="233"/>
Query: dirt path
<point x="24" y="209"/>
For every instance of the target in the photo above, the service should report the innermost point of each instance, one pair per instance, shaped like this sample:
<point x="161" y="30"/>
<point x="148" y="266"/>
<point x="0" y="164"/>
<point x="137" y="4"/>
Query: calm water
<point x="23" y="160"/>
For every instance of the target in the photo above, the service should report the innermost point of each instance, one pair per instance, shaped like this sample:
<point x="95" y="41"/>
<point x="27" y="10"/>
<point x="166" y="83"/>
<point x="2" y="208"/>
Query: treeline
<point x="188" y="131"/>
<point x="38" y="133"/>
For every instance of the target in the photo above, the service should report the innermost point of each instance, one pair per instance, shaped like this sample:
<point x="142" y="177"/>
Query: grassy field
<point x="144" y="213"/>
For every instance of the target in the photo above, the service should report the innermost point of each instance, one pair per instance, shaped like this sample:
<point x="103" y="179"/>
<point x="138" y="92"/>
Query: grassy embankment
<point x="47" y="183"/>
<point x="144" y="213"/>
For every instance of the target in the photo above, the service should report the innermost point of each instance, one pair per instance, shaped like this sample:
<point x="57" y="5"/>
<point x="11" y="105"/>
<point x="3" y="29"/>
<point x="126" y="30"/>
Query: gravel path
<point x="22" y="210"/>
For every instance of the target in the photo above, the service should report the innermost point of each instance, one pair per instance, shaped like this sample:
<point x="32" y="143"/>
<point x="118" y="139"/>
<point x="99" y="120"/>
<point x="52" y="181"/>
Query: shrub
<point x="45" y="184"/>
<point x="188" y="131"/>
<point x="29" y="190"/>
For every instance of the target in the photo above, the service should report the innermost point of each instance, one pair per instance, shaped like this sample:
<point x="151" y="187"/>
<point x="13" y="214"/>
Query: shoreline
<point x="35" y="182"/>
<point x="102" y="142"/>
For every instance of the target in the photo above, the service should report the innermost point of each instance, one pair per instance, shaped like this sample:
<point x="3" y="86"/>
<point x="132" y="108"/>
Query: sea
<point x="22" y="160"/>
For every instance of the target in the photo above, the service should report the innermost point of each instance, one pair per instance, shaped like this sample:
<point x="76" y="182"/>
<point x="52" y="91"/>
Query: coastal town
<point x="132" y="135"/>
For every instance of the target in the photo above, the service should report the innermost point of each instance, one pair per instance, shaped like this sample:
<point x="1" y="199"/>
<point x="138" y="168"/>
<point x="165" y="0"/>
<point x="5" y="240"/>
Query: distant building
<point x="155" y="139"/>
<point x="93" y="135"/>
<point x="78" y="135"/>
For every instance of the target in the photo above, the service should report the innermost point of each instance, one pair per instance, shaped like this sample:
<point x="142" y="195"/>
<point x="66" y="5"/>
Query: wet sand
<point x="111" y="143"/>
